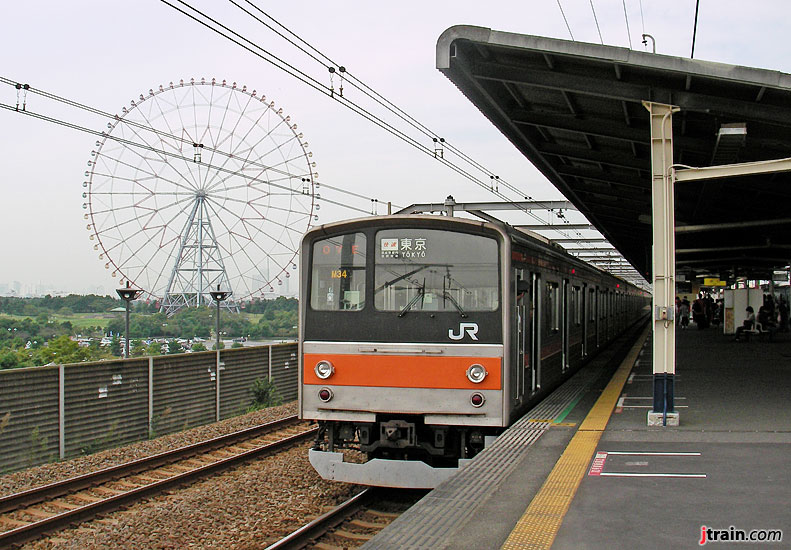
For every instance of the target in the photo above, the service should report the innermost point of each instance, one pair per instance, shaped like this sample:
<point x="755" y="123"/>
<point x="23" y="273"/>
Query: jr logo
<point x="464" y="328"/>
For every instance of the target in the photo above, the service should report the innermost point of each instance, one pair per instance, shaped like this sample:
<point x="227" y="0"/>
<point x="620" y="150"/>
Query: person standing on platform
<point x="699" y="313"/>
<point x="782" y="308"/>
<point x="684" y="313"/>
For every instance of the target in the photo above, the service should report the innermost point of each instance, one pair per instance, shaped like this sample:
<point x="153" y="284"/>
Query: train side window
<point x="592" y="304"/>
<point x="576" y="304"/>
<point x="553" y="298"/>
<point x="338" y="273"/>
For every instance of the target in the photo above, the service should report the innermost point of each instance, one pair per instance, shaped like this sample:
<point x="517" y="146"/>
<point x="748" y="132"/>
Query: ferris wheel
<point x="199" y="186"/>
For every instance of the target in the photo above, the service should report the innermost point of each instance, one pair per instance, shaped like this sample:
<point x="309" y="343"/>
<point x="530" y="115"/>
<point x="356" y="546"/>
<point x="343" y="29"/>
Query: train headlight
<point x="324" y="369"/>
<point x="476" y="373"/>
<point x="325" y="394"/>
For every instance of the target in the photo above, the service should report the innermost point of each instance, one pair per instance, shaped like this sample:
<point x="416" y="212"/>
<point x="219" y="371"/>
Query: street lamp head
<point x="128" y="294"/>
<point x="219" y="295"/>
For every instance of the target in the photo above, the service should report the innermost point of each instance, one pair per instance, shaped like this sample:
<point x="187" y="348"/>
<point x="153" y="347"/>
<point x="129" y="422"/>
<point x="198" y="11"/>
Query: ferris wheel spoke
<point x="154" y="174"/>
<point x="175" y="147"/>
<point x="157" y="151"/>
<point x="252" y="241"/>
<point x="228" y="135"/>
<point x="171" y="131"/>
<point x="234" y="153"/>
<point x="263" y="216"/>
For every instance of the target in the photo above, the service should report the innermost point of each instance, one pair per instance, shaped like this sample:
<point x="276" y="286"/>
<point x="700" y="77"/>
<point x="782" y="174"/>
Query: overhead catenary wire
<point x="161" y="133"/>
<point x="329" y="63"/>
<point x="176" y="156"/>
<point x="566" y="20"/>
<point x="694" y="29"/>
<point x="596" y="20"/>
<point x="628" y="31"/>
<point x="262" y="53"/>
<point x="270" y="58"/>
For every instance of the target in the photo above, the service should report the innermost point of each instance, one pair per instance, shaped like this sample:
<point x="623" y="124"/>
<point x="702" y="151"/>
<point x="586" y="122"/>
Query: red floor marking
<point x="598" y="464"/>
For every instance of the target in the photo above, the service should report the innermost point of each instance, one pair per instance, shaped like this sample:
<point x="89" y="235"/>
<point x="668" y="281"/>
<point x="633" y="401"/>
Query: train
<point x="423" y="337"/>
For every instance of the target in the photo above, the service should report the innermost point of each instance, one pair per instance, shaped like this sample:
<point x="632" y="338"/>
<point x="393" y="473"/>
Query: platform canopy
<point x="575" y="110"/>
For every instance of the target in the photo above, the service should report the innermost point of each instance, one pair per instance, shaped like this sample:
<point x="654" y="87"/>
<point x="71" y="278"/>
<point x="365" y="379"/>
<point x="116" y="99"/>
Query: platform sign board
<point x="712" y="281"/>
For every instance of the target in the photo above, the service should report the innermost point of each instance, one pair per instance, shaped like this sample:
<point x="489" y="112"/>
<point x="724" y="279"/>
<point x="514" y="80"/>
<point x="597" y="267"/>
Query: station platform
<point x="593" y="475"/>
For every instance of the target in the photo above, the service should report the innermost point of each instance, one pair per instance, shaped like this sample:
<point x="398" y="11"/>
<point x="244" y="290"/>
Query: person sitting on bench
<point x="748" y="324"/>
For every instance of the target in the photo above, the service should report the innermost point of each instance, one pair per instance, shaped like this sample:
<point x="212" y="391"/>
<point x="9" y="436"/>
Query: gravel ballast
<point x="250" y="506"/>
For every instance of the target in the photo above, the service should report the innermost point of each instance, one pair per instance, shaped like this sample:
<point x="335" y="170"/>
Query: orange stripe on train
<point x="403" y="371"/>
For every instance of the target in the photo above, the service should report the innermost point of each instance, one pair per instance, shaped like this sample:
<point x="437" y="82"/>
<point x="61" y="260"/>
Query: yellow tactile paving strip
<point x="538" y="526"/>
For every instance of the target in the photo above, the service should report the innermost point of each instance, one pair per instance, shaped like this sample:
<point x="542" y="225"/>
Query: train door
<point x="521" y="355"/>
<point x="585" y="316"/>
<point x="535" y="332"/>
<point x="564" y="325"/>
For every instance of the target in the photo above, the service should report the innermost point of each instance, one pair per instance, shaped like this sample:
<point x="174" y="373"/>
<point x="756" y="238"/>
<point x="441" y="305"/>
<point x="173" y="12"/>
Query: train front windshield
<point x="430" y="270"/>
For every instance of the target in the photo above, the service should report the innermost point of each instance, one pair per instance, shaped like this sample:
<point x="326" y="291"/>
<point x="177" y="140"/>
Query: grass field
<point x="78" y="320"/>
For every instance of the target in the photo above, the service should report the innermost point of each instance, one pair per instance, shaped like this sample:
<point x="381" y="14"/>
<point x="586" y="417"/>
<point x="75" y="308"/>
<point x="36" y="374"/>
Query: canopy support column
<point x="664" y="264"/>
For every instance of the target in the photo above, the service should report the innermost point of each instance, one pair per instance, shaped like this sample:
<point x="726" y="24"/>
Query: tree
<point x="198" y="346"/>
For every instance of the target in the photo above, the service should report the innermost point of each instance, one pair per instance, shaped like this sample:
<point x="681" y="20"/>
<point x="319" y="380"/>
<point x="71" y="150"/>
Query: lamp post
<point x="218" y="296"/>
<point x="127" y="295"/>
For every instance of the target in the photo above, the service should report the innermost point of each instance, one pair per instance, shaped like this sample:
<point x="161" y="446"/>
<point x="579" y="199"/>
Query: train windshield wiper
<point x="391" y="282"/>
<point x="446" y="294"/>
<point x="421" y="291"/>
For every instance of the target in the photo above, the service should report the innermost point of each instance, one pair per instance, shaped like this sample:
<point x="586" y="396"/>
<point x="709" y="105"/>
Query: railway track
<point x="27" y="515"/>
<point x="352" y="523"/>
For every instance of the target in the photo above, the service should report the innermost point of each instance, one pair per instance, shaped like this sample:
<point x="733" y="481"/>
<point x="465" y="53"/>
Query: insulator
<point x="85" y="184"/>
<point x="310" y="154"/>
<point x="223" y="82"/>
<point x="101" y="256"/>
<point x="161" y="89"/>
<point x="253" y="93"/>
<point x="288" y="118"/>
<point x="213" y="81"/>
<point x="318" y="207"/>
<point x="96" y="247"/>
<point x="288" y="274"/>
<point x="91" y="237"/>
<point x="233" y="87"/>
<point x="85" y="205"/>
<point x="98" y="144"/>
<point x="151" y="92"/>
<point x="202" y="80"/>
<point x="280" y="111"/>
<point x="85" y="195"/>
<point x="142" y="98"/>
<point x="192" y="81"/>
<point x="90" y="163"/>
<point x="171" y="84"/>
<point x="133" y="103"/>
<point x="244" y="88"/>
<point x="85" y="216"/>
<point x="181" y="82"/>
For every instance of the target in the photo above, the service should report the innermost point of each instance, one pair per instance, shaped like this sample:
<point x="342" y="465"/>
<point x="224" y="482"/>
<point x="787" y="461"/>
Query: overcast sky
<point x="104" y="54"/>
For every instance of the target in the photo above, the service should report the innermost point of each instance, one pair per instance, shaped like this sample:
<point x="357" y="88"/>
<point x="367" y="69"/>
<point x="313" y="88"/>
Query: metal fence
<point x="62" y="411"/>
